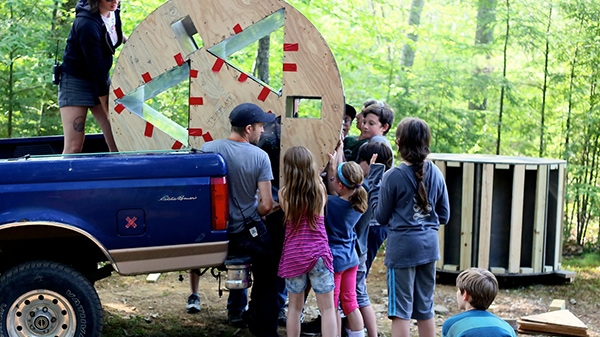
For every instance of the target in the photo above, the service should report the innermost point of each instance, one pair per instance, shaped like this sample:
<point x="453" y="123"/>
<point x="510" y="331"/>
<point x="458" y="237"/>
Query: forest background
<point x="508" y="77"/>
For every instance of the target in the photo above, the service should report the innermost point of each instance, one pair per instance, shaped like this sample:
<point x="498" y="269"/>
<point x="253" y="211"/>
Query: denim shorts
<point x="321" y="280"/>
<point x="75" y="91"/>
<point x="362" y="297"/>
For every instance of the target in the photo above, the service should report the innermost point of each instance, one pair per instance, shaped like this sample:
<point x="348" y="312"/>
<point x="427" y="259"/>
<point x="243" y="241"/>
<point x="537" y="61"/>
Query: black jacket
<point x="89" y="51"/>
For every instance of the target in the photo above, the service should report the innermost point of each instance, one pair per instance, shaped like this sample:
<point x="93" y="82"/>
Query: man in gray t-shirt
<point x="248" y="168"/>
<point x="249" y="178"/>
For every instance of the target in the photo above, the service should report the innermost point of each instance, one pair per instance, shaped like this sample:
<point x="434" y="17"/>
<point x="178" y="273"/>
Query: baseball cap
<point x="248" y="113"/>
<point x="350" y="111"/>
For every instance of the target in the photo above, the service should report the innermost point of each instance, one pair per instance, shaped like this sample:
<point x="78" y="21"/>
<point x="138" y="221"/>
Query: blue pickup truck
<point x="68" y="221"/>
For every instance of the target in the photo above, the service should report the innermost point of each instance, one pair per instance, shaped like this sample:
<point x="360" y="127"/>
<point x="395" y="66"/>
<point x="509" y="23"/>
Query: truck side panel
<point x="138" y="206"/>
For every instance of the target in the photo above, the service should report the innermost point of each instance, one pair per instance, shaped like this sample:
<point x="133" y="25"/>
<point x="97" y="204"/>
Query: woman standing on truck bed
<point x="88" y="57"/>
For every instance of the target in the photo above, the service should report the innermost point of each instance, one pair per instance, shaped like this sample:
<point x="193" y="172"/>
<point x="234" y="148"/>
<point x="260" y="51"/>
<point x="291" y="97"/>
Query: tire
<point x="48" y="299"/>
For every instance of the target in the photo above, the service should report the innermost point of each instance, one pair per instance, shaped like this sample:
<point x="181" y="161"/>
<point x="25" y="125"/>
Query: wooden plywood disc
<point x="191" y="45"/>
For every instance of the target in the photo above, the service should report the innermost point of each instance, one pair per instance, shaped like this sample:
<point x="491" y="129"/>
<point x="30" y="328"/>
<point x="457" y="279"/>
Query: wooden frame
<point x="510" y="211"/>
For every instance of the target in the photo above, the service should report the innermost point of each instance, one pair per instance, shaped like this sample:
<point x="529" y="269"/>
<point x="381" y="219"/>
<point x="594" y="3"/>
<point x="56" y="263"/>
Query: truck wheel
<point x="48" y="299"/>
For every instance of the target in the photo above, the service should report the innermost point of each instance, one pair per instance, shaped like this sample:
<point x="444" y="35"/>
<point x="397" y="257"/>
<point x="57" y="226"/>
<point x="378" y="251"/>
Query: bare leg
<point x="338" y="322"/>
<point x="328" y="314"/>
<point x="426" y="327"/>
<point x="101" y="116"/>
<point x="400" y="327"/>
<point x="354" y="320"/>
<point x="370" y="320"/>
<point x="73" y="121"/>
<point x="295" y="305"/>
<point x="194" y="281"/>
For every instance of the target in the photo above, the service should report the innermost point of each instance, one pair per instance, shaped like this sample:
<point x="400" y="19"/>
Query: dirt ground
<point x="135" y="307"/>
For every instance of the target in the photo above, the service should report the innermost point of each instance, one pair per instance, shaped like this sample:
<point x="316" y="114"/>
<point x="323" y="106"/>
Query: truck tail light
<point x="219" y="198"/>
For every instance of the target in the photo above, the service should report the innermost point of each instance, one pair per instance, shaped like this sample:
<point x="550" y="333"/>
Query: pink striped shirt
<point x="303" y="247"/>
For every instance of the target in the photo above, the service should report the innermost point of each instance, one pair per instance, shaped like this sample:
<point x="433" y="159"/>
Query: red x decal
<point x="131" y="222"/>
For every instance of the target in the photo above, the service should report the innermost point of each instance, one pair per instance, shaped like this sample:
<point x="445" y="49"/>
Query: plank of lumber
<point x="466" y="214"/>
<point x="556" y="322"/>
<point x="525" y="327"/>
<point x="516" y="218"/>
<point x="558" y="317"/>
<point x="557" y="305"/>
<point x="539" y="219"/>
<point x="152" y="277"/>
<point x="442" y="231"/>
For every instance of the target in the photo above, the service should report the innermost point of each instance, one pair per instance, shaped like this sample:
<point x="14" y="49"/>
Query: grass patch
<point x="583" y="261"/>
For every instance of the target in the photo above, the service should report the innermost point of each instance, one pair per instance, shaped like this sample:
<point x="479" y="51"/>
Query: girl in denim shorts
<point x="306" y="255"/>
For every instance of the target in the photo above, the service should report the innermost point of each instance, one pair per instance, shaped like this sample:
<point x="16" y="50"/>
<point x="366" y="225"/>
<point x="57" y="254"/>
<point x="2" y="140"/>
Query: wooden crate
<point x="506" y="212"/>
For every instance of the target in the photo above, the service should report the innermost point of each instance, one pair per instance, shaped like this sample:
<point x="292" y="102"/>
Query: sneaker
<point x="193" y="304"/>
<point x="312" y="328"/>
<point x="236" y="320"/>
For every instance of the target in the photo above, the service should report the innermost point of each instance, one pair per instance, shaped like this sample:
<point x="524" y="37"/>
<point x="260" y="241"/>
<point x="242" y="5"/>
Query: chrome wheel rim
<point x="41" y="313"/>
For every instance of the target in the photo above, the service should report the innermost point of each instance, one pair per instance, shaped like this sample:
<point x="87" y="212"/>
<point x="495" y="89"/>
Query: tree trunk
<point x="484" y="35"/>
<point x="486" y="17"/>
<point x="261" y="70"/>
<point x="589" y="176"/>
<point x="545" y="86"/>
<point x="11" y="94"/>
<point x="566" y="154"/>
<point x="414" y="20"/>
<point x="498" y="140"/>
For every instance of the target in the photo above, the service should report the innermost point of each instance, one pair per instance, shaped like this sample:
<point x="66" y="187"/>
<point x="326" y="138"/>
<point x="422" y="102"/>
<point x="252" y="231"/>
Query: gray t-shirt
<point x="247" y="165"/>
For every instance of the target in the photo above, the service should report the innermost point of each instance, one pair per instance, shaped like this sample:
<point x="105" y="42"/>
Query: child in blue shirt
<point x="477" y="289"/>
<point x="343" y="211"/>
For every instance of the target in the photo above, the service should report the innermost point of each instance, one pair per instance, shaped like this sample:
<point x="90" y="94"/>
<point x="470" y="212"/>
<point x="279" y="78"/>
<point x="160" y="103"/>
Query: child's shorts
<point x="321" y="280"/>
<point x="411" y="291"/>
<point x="362" y="297"/>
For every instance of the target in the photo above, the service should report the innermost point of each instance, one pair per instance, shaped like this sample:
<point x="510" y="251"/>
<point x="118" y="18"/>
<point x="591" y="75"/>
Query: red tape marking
<point x="177" y="146"/>
<point x="207" y="137"/>
<point x="149" y="130"/>
<point x="290" y="67"/>
<point x="130" y="222"/>
<point x="243" y="77"/>
<point x="237" y="28"/>
<point x="196" y="101"/>
<point x="119" y="93"/>
<point x="290" y="47"/>
<point x="263" y="94"/>
<point x="179" y="59"/>
<point x="119" y="108"/>
<point x="218" y="64"/>
<point x="196" y="132"/>
<point x="193" y="73"/>
<point x="147" y="78"/>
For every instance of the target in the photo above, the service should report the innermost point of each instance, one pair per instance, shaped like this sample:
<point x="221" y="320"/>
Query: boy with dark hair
<point x="349" y="115"/>
<point x="374" y="121"/>
<point x="477" y="289"/>
<point x="378" y="119"/>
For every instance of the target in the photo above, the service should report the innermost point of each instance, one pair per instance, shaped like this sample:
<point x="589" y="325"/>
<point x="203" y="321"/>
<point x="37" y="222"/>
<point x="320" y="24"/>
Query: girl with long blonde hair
<point x="306" y="254"/>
